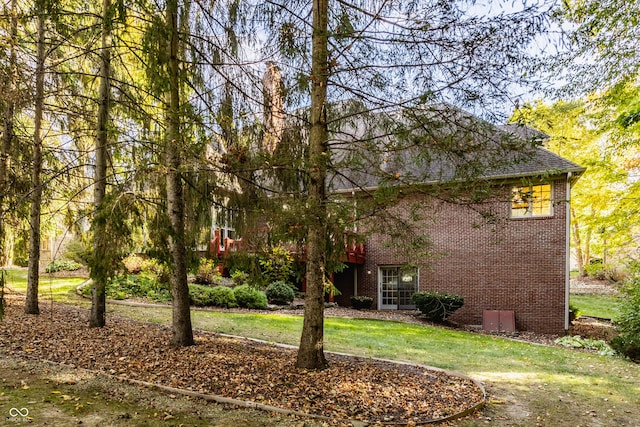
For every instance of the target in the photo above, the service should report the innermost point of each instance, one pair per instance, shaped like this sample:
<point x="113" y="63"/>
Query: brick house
<point x="515" y="260"/>
<point x="520" y="264"/>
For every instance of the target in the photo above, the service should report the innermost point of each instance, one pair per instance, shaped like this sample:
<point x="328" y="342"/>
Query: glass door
<point x="408" y="285"/>
<point x="396" y="287"/>
<point x="388" y="288"/>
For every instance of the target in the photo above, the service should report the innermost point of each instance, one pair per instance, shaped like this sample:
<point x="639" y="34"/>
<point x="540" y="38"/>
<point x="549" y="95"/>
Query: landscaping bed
<point x="351" y="388"/>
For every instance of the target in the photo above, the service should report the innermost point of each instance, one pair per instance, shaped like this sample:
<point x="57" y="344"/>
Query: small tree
<point x="278" y="266"/>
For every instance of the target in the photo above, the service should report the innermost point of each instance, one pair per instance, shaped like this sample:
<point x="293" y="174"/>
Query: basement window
<point x="531" y="201"/>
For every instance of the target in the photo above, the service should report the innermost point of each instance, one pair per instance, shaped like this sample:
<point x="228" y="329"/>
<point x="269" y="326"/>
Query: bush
<point x="437" y="306"/>
<point x="200" y="295"/>
<point x="152" y="268"/>
<point x="280" y="293"/>
<point x="574" y="312"/>
<point x="627" y="345"/>
<point x="62" y="265"/>
<point x="577" y="341"/>
<point x="133" y="263"/>
<point x="599" y="271"/>
<point x="208" y="273"/>
<point x="239" y="278"/>
<point x="125" y="286"/>
<point x="361" y="302"/>
<point x="78" y="251"/>
<point x="248" y="297"/>
<point x="278" y="266"/>
<point x="223" y="296"/>
<point x="628" y="342"/>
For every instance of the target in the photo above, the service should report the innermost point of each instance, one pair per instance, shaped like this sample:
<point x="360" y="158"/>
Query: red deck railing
<point x="354" y="252"/>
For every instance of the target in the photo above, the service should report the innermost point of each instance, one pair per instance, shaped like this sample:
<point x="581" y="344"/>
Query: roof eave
<point x="574" y="173"/>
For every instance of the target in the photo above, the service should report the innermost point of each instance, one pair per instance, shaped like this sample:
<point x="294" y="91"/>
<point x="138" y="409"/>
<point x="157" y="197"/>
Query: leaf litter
<point x="351" y="388"/>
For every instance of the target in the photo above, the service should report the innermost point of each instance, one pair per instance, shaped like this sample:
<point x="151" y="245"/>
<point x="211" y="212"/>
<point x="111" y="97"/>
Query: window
<point x="223" y="219"/>
<point x="396" y="287"/>
<point x="531" y="201"/>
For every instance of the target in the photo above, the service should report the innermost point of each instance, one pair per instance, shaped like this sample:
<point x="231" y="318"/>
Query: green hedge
<point x="437" y="306"/>
<point x="125" y="286"/>
<point x="62" y="265"/>
<point x="361" y="302"/>
<point x="280" y="293"/>
<point x="249" y="297"/>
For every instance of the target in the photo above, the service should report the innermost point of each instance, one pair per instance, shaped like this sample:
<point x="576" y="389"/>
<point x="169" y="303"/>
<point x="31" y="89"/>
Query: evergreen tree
<point x="378" y="77"/>
<point x="31" y="304"/>
<point x="98" y="273"/>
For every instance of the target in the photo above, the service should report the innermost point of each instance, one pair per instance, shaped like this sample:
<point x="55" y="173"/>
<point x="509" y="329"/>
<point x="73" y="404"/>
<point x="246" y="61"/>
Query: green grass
<point x="528" y="384"/>
<point x="605" y="306"/>
<point x="58" y="289"/>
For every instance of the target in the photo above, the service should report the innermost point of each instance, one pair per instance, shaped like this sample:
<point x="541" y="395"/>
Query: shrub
<point x="62" y="265"/>
<point x="200" y="295"/>
<point x="223" y="296"/>
<point x="577" y="341"/>
<point x="628" y="342"/>
<point x="152" y="268"/>
<point x="244" y="262"/>
<point x="361" y="302"/>
<point x="627" y="345"/>
<point x="278" y="266"/>
<point x="78" y="251"/>
<point x="133" y="263"/>
<point x="249" y="297"/>
<point x="208" y="273"/>
<point x="280" y="293"/>
<point x="125" y="286"/>
<point x="574" y="312"/>
<point x="239" y="278"/>
<point x="437" y="306"/>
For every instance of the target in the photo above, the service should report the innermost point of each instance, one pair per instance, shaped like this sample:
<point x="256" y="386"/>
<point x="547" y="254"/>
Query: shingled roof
<point x="436" y="144"/>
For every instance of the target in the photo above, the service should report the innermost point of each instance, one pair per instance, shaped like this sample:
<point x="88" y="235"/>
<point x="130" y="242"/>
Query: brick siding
<point x="495" y="263"/>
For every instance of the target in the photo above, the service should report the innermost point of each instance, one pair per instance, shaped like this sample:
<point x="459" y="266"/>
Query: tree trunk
<point x="31" y="304"/>
<point x="182" y="330"/>
<point x="98" y="268"/>
<point x="8" y="134"/>
<point x="311" y="351"/>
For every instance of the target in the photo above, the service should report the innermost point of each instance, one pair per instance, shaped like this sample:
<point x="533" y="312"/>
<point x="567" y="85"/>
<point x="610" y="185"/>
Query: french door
<point x="396" y="285"/>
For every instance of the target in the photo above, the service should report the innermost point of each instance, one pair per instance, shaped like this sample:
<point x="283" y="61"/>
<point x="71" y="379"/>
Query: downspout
<point x="567" y="254"/>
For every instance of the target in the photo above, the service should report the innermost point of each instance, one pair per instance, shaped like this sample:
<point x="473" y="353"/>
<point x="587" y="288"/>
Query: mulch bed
<point x="351" y="388"/>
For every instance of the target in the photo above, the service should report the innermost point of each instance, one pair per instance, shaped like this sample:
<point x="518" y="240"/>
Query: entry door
<point x="396" y="286"/>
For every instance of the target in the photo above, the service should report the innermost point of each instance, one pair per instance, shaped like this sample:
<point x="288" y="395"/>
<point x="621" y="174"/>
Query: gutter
<point x="567" y="279"/>
<point x="572" y="174"/>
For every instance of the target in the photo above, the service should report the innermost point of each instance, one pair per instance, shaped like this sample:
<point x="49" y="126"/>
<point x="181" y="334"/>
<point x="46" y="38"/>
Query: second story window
<point x="531" y="201"/>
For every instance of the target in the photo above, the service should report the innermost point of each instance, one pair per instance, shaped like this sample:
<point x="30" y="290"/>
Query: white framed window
<point x="223" y="219"/>
<point x="531" y="201"/>
<point x="396" y="286"/>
